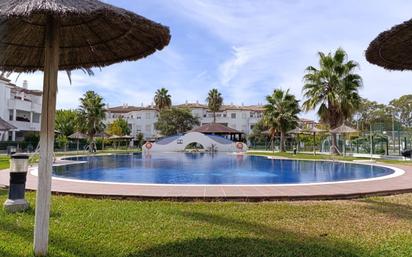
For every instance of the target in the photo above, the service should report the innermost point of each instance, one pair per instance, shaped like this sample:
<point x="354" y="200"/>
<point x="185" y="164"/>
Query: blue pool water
<point x="197" y="168"/>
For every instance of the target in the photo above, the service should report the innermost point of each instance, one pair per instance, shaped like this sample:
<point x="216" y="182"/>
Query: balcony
<point x="25" y="126"/>
<point x="19" y="104"/>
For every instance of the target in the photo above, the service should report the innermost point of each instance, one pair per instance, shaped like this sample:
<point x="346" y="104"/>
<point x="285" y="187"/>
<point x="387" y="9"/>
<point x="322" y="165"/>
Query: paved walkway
<point x="400" y="184"/>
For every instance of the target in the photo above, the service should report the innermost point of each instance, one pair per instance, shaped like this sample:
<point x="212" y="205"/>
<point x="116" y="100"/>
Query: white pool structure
<point x="211" y="143"/>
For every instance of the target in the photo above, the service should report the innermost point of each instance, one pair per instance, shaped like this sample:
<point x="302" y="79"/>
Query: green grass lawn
<point x="87" y="227"/>
<point x="4" y="162"/>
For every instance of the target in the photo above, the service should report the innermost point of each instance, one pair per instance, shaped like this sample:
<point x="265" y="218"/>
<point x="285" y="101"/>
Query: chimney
<point x="25" y="84"/>
<point x="142" y="104"/>
<point x="187" y="102"/>
<point x="197" y="101"/>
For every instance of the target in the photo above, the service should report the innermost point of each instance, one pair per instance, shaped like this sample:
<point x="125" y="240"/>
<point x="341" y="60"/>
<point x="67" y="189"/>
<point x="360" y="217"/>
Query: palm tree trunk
<point x="282" y="141"/>
<point x="214" y="117"/>
<point x="334" y="148"/>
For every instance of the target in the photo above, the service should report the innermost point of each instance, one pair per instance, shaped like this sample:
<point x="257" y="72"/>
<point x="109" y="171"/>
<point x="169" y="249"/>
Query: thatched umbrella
<point x="102" y="135"/>
<point x="77" y="136"/>
<point x="52" y="35"/>
<point x="5" y="126"/>
<point x="392" y="49"/>
<point x="315" y="131"/>
<point x="296" y="131"/>
<point x="343" y="130"/>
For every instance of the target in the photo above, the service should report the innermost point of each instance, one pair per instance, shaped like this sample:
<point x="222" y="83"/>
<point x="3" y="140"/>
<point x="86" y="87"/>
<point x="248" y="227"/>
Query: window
<point x="11" y="115"/>
<point x="148" y="116"/>
<point x="36" y="117"/>
<point x="233" y="115"/>
<point x="243" y="115"/>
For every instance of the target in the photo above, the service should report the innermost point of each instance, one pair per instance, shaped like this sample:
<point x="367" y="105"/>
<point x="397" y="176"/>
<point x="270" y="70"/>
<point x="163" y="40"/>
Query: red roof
<point x="215" y="128"/>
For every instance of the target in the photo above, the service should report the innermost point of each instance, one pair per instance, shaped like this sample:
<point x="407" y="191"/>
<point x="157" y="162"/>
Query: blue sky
<point x="245" y="49"/>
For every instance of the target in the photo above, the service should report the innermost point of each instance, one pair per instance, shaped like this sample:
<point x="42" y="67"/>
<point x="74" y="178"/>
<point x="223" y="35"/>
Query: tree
<point x="139" y="140"/>
<point x="281" y="114"/>
<point x="214" y="102"/>
<point x="62" y="141"/>
<point x="332" y="89"/>
<point x="119" y="127"/>
<point x="371" y="112"/>
<point x="402" y="108"/>
<point x="257" y="136"/>
<point x="91" y="114"/>
<point x="66" y="121"/>
<point x="162" y="99"/>
<point x="175" y="121"/>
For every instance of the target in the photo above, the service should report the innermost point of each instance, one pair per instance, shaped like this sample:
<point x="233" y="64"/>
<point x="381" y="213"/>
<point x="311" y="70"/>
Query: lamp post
<point x="19" y="165"/>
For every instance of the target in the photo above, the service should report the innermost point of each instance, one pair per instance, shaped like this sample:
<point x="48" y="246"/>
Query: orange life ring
<point x="149" y="145"/>
<point x="239" y="145"/>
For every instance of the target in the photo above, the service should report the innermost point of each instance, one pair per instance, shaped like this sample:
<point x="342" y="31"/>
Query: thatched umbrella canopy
<point x="343" y="130"/>
<point x="392" y="49"/>
<point x="295" y="131"/>
<point x="5" y="126"/>
<point x="52" y="35"/>
<point x="315" y="131"/>
<point x="102" y="135"/>
<point x="77" y="135"/>
<point x="91" y="34"/>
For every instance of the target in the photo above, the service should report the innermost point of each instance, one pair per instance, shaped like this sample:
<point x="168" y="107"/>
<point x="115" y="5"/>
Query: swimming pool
<point x="212" y="169"/>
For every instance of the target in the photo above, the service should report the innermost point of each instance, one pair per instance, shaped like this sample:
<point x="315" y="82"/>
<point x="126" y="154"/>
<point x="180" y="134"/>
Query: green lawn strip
<point x="88" y="227"/>
<point x="305" y="156"/>
<point x="4" y="162"/>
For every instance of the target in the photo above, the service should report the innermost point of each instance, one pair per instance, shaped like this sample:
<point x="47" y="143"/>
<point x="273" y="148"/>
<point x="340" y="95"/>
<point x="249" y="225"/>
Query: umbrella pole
<point x="51" y="67"/>
<point x="314" y="143"/>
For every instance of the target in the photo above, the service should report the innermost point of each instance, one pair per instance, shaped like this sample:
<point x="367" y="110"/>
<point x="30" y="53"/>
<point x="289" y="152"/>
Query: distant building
<point x="142" y="119"/>
<point x="20" y="107"/>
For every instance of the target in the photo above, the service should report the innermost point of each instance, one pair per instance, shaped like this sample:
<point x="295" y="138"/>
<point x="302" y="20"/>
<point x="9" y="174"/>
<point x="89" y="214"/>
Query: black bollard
<point x="19" y="165"/>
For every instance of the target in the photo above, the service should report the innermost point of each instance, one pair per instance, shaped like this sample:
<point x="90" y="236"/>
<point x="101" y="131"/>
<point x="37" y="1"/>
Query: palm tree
<point x="280" y="114"/>
<point x="332" y="89"/>
<point x="162" y="99"/>
<point x="91" y="114"/>
<point x="214" y="101"/>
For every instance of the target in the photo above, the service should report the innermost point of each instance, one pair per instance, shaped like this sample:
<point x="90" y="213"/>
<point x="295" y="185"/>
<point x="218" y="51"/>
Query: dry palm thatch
<point x="295" y="131"/>
<point x="392" y="49"/>
<point x="77" y="135"/>
<point x="5" y="126"/>
<point x="92" y="34"/>
<point x="343" y="129"/>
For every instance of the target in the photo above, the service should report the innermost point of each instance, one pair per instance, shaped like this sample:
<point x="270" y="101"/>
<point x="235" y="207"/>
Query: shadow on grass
<point x="267" y="241"/>
<point x="256" y="240"/>
<point x="243" y="247"/>
<point x="396" y="210"/>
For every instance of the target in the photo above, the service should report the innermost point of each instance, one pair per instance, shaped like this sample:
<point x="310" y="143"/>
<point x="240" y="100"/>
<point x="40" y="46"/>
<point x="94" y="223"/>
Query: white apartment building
<point x="20" y="107"/>
<point x="142" y="119"/>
